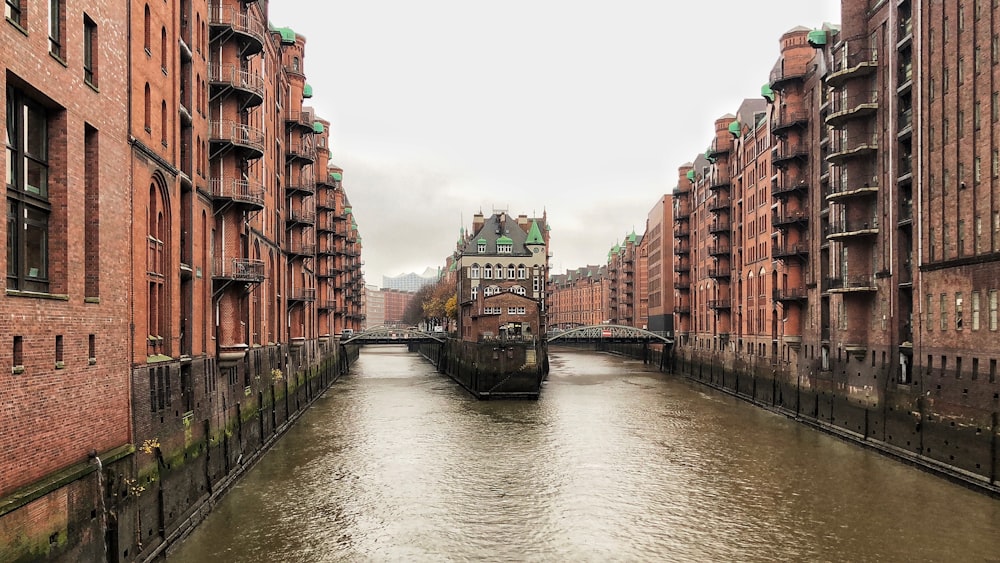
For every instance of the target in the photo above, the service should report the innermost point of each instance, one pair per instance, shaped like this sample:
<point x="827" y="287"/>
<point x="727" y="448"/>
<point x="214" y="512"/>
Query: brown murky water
<point x="613" y="463"/>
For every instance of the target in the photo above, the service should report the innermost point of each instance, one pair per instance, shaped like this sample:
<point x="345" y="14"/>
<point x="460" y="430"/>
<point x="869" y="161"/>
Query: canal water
<point x="613" y="463"/>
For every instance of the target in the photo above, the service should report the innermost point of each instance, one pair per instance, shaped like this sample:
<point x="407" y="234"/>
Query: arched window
<point x="147" y="109"/>
<point x="522" y="272"/>
<point x="157" y="234"/>
<point x="487" y="272"/>
<point x="163" y="49"/>
<point x="295" y="64"/>
<point x="146" y="32"/>
<point x="474" y="272"/>
<point x="510" y="271"/>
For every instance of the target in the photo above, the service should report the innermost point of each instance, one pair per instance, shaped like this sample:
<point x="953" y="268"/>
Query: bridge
<point x="389" y="335"/>
<point x="608" y="333"/>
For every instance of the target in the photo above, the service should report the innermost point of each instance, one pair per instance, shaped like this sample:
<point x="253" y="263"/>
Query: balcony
<point x="851" y="284"/>
<point x="719" y="203"/>
<point x="905" y="31"/>
<point x="717" y="149"/>
<point x="246" y="140"/>
<point x="231" y="78"/>
<point x="842" y="188"/>
<point x="719" y="226"/>
<point x="326" y="200"/>
<point x="789" y="294"/>
<point x="682" y="231"/>
<point x="719" y="180"/>
<point x="300" y="217"/>
<point x="783" y="218"/>
<point x="326" y="304"/>
<point x="785" y="119"/>
<point x="302" y="294"/>
<point x="682" y="214"/>
<point x="682" y="309"/>
<point x="781" y="250"/>
<point x="300" y="151"/>
<point x="852" y="59"/>
<point x="300" y="249"/>
<point x="226" y="22"/>
<point x="904" y="124"/>
<point x="785" y="151"/>
<point x="324" y="223"/>
<point x="852" y="146"/>
<point x="719" y="249"/>
<point x="720" y="272"/>
<point x="682" y="285"/>
<point x="303" y="119"/>
<point x="781" y="76"/>
<point x="850" y="229"/>
<point x="682" y="267"/>
<point x="304" y="184"/>
<point x="682" y="247"/>
<point x="718" y="304"/>
<point x="238" y="269"/>
<point x="786" y="184"/>
<point x="845" y="108"/>
<point x="245" y="194"/>
<point x="905" y="76"/>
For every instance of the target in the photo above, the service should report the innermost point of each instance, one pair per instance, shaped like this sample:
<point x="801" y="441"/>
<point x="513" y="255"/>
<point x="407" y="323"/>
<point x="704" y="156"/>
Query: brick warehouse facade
<point x="864" y="236"/>
<point x="154" y="353"/>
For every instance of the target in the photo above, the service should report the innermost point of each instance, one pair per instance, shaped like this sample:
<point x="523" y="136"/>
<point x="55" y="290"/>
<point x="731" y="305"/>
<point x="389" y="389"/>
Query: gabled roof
<point x="499" y="228"/>
<point x="534" y="234"/>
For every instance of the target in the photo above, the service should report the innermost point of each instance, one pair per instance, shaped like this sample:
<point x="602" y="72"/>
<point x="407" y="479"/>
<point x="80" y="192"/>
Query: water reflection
<point x="613" y="463"/>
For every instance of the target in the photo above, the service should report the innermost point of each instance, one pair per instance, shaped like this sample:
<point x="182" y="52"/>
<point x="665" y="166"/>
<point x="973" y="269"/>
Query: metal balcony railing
<point x="239" y="269"/>
<point x="234" y="76"/>
<point x="239" y="134"/>
<point x="249" y="192"/>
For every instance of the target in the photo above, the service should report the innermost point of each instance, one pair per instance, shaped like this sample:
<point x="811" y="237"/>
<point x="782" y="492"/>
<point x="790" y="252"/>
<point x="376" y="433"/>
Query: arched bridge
<point x="608" y="333"/>
<point x="389" y="335"/>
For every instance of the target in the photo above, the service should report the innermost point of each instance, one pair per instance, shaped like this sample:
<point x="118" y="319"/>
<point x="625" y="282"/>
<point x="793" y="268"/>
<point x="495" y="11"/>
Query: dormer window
<point x="481" y="248"/>
<point x="505" y="248"/>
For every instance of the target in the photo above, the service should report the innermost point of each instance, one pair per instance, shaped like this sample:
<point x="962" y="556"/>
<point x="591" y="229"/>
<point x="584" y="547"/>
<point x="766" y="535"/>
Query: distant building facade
<point x="659" y="238"/>
<point x="410" y="282"/>
<point x="579" y="297"/>
<point x="502" y="269"/>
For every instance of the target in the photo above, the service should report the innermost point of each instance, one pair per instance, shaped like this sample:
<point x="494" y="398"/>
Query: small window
<point x="89" y="51"/>
<point x="59" y="352"/>
<point x="57" y="15"/>
<point x="12" y="10"/>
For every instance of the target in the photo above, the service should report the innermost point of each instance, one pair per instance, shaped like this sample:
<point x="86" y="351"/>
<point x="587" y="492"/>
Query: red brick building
<point x="864" y="233"/>
<point x="212" y="256"/>
<point x="659" y="237"/>
<point x="395" y="303"/>
<point x="579" y="297"/>
<point x="627" y="289"/>
<point x="64" y="312"/>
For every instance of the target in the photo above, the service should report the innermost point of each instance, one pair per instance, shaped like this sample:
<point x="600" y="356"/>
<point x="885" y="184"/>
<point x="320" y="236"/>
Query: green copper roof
<point x="534" y="234"/>
<point x="767" y="92"/>
<point x="481" y="241"/>
<point x="452" y="267"/>
<point x="337" y="176"/>
<point x="632" y="237"/>
<point x="347" y="209"/>
<point x="287" y="35"/>
<point x="817" y="38"/>
<point x="307" y="92"/>
<point x="734" y="128"/>
<point x="690" y="175"/>
<point x="505" y="240"/>
<point x="318" y="127"/>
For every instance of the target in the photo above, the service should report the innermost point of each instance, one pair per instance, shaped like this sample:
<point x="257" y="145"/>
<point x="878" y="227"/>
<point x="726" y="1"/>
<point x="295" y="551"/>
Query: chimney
<point x="477" y="223"/>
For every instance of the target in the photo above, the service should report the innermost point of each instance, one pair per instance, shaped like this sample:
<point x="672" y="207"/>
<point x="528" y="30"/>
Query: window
<point x="89" y="51"/>
<point x="92" y="348"/>
<point x="28" y="204"/>
<point x="12" y="10"/>
<point x="510" y="272"/>
<point x="163" y="122"/>
<point x="59" y="351"/>
<point x="504" y="248"/>
<point x="944" y="311"/>
<point x="521" y="273"/>
<point x="511" y="310"/>
<point x="156" y="269"/>
<point x="163" y="49"/>
<point x="929" y="312"/>
<point x="481" y="248"/>
<point x="147" y="109"/>
<point x="146" y="32"/>
<point x="57" y="13"/>
<point x="474" y="272"/>
<point x="993" y="309"/>
<point x="91" y="214"/>
<point x="975" y="310"/>
<point x="959" y="306"/>
<point x="475" y="292"/>
<point x="488" y="272"/>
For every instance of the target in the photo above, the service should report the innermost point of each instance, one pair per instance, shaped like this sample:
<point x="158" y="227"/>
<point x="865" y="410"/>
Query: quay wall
<point x="492" y="369"/>
<point x="956" y="438"/>
<point x="197" y="427"/>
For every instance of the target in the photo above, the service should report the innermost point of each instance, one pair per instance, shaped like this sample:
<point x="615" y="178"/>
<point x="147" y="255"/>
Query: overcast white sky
<point x="585" y="109"/>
